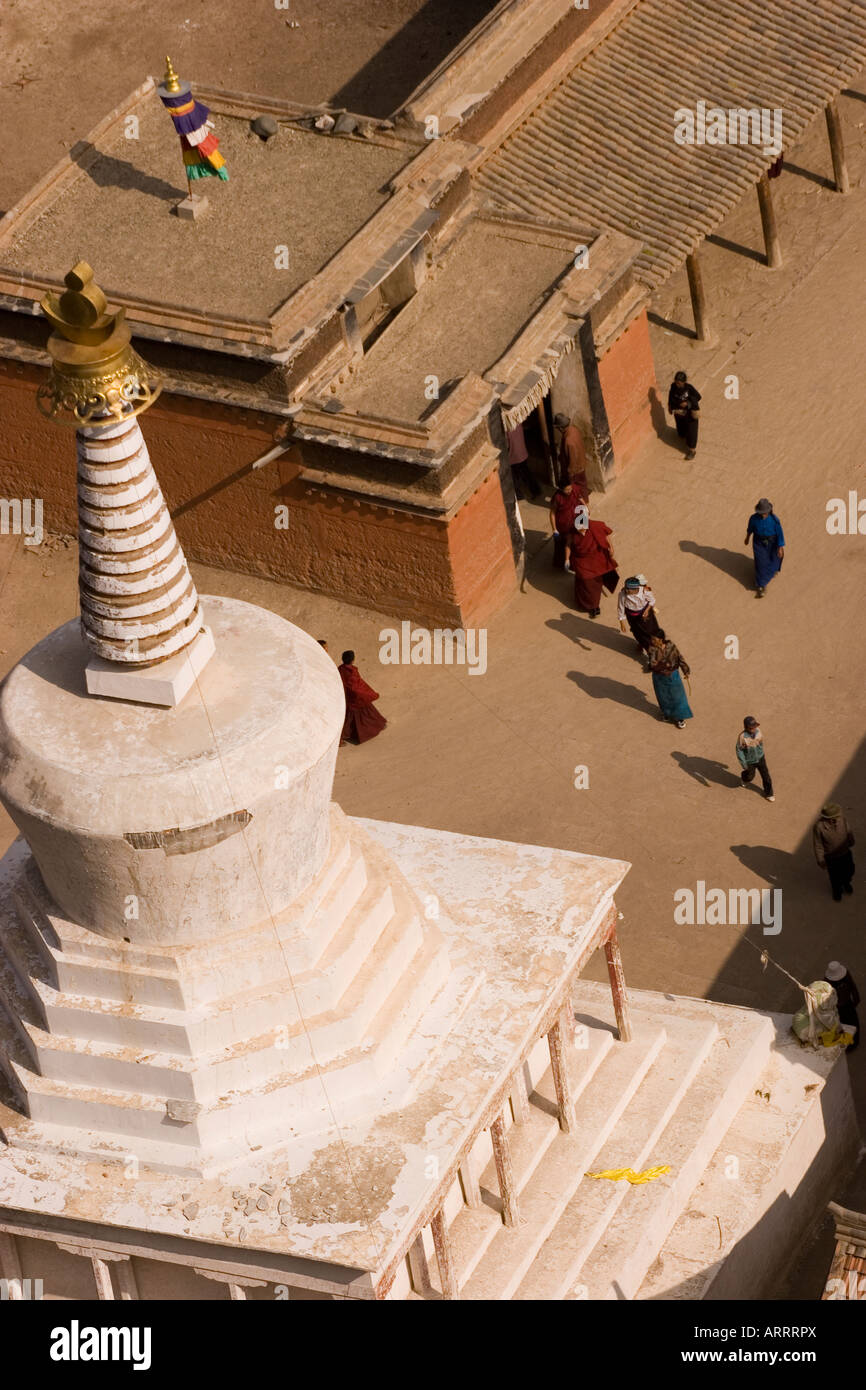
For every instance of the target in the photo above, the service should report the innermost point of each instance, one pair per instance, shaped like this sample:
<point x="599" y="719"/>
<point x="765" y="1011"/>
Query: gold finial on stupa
<point x="96" y="375"/>
<point x="171" y="81"/>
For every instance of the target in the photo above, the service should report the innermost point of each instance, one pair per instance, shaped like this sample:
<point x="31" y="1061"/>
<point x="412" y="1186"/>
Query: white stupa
<point x="246" y="1039"/>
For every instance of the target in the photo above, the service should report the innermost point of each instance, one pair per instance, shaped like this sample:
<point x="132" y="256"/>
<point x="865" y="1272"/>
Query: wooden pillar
<point x="10" y="1267"/>
<point x="837" y="148"/>
<point x="102" y="1275"/>
<point x="444" y="1256"/>
<point x="468" y="1175"/>
<point x="703" y="331"/>
<point x="237" y="1293"/>
<point x="519" y="1098"/>
<point x="545" y="435"/>
<point x="419" y="1269"/>
<point x="772" y="245"/>
<point x="617" y="986"/>
<point x="505" y="1173"/>
<point x="126" y="1281"/>
<point x="559" y="1067"/>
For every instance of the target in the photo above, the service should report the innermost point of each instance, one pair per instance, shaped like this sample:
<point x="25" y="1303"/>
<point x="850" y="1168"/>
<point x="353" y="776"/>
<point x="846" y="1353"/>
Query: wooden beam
<point x="518" y="1097"/>
<point x="549" y="448"/>
<point x="419" y="1269"/>
<point x="444" y="1256"/>
<point x="127" y="1284"/>
<point x="505" y="1172"/>
<point x="703" y="332"/>
<point x="617" y="986"/>
<point x="10" y="1267"/>
<point x="102" y="1275"/>
<point x="561" y="1081"/>
<point x="837" y="147"/>
<point x="772" y="245"/>
<point x="468" y="1175"/>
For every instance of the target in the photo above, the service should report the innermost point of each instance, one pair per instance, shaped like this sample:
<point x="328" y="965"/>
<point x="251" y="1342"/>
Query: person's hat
<point x="632" y="583"/>
<point x="835" y="971"/>
<point x="641" y="579"/>
<point x="831" y="810"/>
<point x="763" y="507"/>
<point x="561" y="421"/>
<point x="750" y="722"/>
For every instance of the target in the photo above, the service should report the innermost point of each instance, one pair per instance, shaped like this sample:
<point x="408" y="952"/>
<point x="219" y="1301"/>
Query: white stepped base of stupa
<point x="193" y="1055"/>
<point x="754" y="1128"/>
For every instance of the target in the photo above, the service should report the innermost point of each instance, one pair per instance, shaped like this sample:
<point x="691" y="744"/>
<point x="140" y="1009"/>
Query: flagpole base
<point x="191" y="207"/>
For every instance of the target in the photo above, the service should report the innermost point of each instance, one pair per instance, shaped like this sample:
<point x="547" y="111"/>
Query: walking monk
<point x="565" y="504"/>
<point x="592" y="563"/>
<point x="363" y="720"/>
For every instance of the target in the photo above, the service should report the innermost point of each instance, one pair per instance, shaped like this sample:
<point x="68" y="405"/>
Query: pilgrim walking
<point x="592" y="562"/>
<point x="666" y="662"/>
<point x="637" y="612"/>
<point x="684" y="405"/>
<point x="750" y="756"/>
<point x="768" y="544"/>
<point x="847" y="998"/>
<point x="832" y="842"/>
<point x="565" y="504"/>
<point x="363" y="720"/>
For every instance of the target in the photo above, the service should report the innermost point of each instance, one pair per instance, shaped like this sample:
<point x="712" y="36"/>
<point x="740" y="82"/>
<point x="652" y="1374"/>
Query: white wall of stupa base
<point x="515" y="923"/>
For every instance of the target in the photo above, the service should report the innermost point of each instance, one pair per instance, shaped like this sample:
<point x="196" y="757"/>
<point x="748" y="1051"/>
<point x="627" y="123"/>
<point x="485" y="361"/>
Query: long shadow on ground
<point x="738" y="566"/>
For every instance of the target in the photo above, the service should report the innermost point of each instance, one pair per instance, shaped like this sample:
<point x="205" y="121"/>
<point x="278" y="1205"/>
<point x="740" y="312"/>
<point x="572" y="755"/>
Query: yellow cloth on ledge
<point x="629" y="1175"/>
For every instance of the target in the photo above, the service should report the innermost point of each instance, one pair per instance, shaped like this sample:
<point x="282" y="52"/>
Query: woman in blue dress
<point x="768" y="544"/>
<point x="666" y="661"/>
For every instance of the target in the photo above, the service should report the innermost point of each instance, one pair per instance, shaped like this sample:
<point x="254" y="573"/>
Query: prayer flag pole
<point x="200" y="147"/>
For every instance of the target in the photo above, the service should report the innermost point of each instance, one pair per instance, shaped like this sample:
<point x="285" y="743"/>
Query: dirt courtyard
<point x="496" y="754"/>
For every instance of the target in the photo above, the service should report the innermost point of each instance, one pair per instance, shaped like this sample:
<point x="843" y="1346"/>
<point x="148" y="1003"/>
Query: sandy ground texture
<point x="495" y="754"/>
<point x="60" y="76"/>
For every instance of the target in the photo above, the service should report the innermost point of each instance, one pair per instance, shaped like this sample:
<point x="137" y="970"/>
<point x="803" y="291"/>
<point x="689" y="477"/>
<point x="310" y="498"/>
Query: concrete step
<point x="776" y="1165"/>
<point x="598" y="1111"/>
<point x="646" y="1213"/>
<point x="692" y="1030"/>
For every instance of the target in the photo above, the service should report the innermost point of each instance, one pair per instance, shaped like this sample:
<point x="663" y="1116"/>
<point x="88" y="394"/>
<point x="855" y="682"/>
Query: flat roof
<point x="472" y="306"/>
<point x="302" y="190"/>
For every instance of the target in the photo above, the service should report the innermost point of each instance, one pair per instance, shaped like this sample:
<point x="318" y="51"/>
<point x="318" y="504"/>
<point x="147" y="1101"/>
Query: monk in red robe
<point x="363" y="720"/>
<point x="593" y="563"/>
<point x="564" y="506"/>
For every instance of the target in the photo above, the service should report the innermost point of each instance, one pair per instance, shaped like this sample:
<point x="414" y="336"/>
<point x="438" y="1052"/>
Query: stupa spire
<point x="139" y="606"/>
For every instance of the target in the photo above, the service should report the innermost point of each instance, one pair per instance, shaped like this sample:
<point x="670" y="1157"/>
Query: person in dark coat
<point x="768" y="544"/>
<point x="684" y="405"/>
<point x="363" y="720"/>
<point x="832" y="842"/>
<point x="847" y="998"/>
